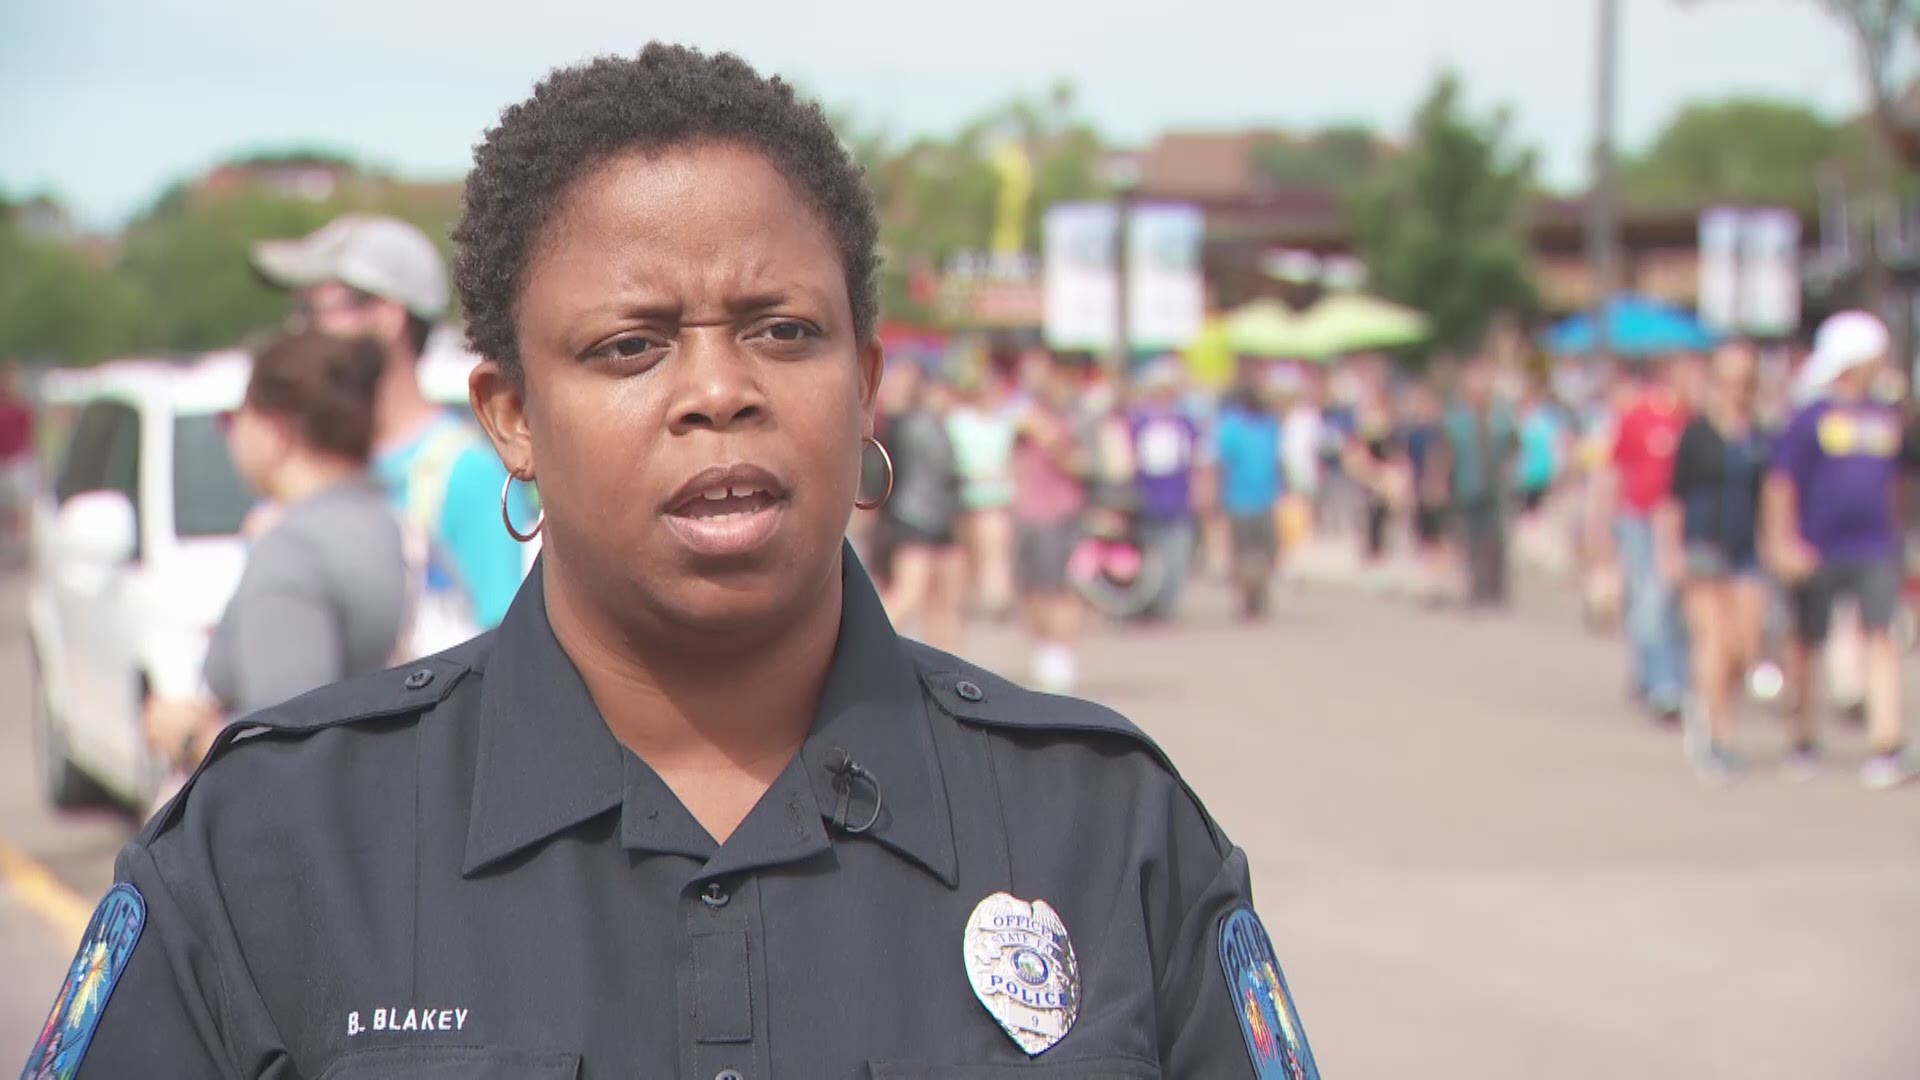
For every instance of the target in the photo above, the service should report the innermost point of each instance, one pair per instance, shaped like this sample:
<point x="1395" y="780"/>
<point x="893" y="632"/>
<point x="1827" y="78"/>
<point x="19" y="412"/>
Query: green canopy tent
<point x="1354" y="322"/>
<point x="1266" y="329"/>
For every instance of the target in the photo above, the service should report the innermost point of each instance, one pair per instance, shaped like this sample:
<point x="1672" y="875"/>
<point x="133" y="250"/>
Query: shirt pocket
<point x="1109" y="1068"/>
<point x="452" y="1063"/>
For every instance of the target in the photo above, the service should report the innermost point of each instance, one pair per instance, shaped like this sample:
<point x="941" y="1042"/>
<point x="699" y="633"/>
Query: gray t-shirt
<point x="323" y="597"/>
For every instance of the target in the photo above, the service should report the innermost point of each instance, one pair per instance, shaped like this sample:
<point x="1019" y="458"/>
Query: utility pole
<point x="1603" y="224"/>
<point x="1122" y="359"/>
<point x="1122" y="174"/>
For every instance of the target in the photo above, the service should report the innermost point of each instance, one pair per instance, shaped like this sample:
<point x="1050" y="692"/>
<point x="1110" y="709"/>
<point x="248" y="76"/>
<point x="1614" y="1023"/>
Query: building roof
<point x="1201" y="165"/>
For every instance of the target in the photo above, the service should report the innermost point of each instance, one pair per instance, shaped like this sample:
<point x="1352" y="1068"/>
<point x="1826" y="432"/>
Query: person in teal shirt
<point x="447" y="480"/>
<point x="1247" y="444"/>
<point x="1481" y="443"/>
<point x="1543" y="434"/>
<point x="366" y="275"/>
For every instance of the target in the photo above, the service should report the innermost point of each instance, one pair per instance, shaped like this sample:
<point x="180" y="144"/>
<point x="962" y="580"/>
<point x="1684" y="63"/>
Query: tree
<point x="59" y="306"/>
<point x="1744" y="150"/>
<point x="938" y="196"/>
<point x="1883" y="30"/>
<point x="1441" y="224"/>
<point x="1333" y="157"/>
<point x="190" y="254"/>
<point x="1884" y="33"/>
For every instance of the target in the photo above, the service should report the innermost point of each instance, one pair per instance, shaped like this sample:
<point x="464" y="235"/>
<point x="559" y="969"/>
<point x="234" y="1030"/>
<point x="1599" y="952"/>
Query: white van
<point x="136" y="549"/>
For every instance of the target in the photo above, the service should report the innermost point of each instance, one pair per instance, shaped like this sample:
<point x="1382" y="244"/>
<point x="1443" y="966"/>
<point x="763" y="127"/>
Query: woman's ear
<point x="500" y="404"/>
<point x="873" y="361"/>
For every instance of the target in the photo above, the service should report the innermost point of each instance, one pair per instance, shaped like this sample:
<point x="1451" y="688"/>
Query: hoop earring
<point x="506" y="517"/>
<point x="875" y="504"/>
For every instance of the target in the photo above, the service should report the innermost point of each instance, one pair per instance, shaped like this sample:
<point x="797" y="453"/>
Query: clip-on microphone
<point x="845" y="771"/>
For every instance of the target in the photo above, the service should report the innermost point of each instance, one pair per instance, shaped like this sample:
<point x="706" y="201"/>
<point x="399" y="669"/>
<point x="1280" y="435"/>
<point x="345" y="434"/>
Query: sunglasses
<point x="305" y="310"/>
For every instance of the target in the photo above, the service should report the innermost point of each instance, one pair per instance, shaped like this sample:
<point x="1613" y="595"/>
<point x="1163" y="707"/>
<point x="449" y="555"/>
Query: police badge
<point x="1021" y="964"/>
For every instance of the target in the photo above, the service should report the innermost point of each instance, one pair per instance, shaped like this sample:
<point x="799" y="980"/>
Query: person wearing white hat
<point x="1831" y="531"/>
<point x="368" y="275"/>
<point x="1166" y="451"/>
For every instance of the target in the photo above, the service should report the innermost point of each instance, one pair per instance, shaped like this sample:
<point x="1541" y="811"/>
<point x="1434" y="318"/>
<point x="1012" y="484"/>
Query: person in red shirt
<point x="16" y="466"/>
<point x="1645" y="439"/>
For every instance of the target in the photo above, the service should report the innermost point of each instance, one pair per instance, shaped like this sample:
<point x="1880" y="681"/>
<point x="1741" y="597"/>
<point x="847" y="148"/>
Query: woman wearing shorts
<point x="1709" y="531"/>
<point x="1050" y="494"/>
<point x="981" y="427"/>
<point x="1422" y="436"/>
<point x="929" y="575"/>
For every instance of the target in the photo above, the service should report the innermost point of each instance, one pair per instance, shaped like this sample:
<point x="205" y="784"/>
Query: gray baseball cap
<point x="381" y="256"/>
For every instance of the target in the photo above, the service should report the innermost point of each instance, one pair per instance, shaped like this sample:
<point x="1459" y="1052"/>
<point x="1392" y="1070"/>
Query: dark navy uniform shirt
<point x="454" y="870"/>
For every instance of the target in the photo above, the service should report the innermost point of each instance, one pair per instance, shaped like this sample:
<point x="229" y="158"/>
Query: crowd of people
<point x="1718" y="509"/>
<point x="1723" y="507"/>
<point x="376" y="538"/>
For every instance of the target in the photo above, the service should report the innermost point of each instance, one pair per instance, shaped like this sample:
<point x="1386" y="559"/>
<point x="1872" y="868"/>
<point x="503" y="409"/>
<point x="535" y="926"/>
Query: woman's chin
<point x="733" y="615"/>
<point x="741" y="598"/>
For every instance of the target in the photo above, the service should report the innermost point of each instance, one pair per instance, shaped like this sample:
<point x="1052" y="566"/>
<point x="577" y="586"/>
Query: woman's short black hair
<point x="666" y="97"/>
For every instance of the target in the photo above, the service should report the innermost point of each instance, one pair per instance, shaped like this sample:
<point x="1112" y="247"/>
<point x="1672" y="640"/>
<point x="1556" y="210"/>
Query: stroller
<point x="1109" y="568"/>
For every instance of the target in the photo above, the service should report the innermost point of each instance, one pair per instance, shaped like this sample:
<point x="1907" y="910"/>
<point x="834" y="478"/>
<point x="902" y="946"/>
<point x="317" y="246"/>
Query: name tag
<point x="397" y="1018"/>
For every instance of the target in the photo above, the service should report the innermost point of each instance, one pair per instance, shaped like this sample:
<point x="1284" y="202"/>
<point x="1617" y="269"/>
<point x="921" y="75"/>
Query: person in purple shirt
<point x="1166" y="442"/>
<point x="1832" y="531"/>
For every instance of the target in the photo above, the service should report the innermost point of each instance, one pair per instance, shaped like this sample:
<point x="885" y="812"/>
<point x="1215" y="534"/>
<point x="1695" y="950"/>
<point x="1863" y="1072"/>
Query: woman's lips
<point x="727" y="511"/>
<point x="728" y="527"/>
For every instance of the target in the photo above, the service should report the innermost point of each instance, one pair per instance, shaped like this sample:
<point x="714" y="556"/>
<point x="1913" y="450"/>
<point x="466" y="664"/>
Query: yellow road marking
<point x="36" y="886"/>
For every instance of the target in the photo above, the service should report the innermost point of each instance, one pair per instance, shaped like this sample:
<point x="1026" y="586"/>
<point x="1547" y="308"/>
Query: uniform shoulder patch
<point x="1276" y="1042"/>
<point x="103" y="955"/>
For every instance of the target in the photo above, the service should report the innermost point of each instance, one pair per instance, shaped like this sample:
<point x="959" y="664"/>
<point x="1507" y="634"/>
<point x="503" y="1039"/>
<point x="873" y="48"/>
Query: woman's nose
<point x="719" y="387"/>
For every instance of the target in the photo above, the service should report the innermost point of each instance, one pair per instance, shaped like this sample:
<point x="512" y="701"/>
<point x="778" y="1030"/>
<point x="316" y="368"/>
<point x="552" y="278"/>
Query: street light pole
<point x="1122" y="300"/>
<point x="1603" y="253"/>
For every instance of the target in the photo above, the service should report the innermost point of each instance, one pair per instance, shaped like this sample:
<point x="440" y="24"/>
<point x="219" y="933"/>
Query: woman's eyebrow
<point x="772" y="299"/>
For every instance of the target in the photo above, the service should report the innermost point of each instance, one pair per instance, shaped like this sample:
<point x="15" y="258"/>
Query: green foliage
<point x="1335" y="157"/>
<point x="193" y="264"/>
<point x="937" y="196"/>
<point x="1441" y="224"/>
<point x="1744" y="150"/>
<point x="191" y="255"/>
<point x="58" y="305"/>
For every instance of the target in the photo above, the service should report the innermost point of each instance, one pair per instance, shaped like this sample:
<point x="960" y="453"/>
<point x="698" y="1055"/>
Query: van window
<point x="104" y="455"/>
<point x="84" y="467"/>
<point x="209" y="498"/>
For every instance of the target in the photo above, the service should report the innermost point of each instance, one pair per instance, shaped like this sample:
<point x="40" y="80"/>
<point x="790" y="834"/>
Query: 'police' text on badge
<point x="1022" y="967"/>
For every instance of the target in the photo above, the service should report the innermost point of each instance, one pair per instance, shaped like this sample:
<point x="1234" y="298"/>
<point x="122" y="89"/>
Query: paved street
<point x="1475" y="862"/>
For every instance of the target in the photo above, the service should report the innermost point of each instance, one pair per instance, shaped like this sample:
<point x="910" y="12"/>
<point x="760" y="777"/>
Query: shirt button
<point x="969" y="692"/>
<point x="728" y="1074"/>
<point x="716" y="898"/>
<point x="419" y="679"/>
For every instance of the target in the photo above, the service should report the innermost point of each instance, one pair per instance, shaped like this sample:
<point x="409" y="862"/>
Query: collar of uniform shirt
<point x="547" y="762"/>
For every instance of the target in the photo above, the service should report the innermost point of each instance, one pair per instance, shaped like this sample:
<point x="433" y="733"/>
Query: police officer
<point x="694" y="809"/>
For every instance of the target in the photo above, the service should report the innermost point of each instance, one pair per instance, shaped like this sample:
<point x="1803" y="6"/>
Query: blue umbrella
<point x="1636" y="326"/>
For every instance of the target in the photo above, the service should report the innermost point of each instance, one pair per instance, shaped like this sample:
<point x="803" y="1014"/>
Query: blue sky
<point x="104" y="102"/>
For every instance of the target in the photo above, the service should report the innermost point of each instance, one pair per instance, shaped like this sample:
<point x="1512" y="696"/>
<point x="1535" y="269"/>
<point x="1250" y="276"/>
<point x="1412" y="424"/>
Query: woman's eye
<point x="624" y="349"/>
<point x="789" y="332"/>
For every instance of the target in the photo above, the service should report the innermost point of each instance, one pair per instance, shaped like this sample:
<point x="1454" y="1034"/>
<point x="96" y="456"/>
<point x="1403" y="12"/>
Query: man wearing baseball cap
<point x="1831" y="530"/>
<point x="366" y="275"/>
